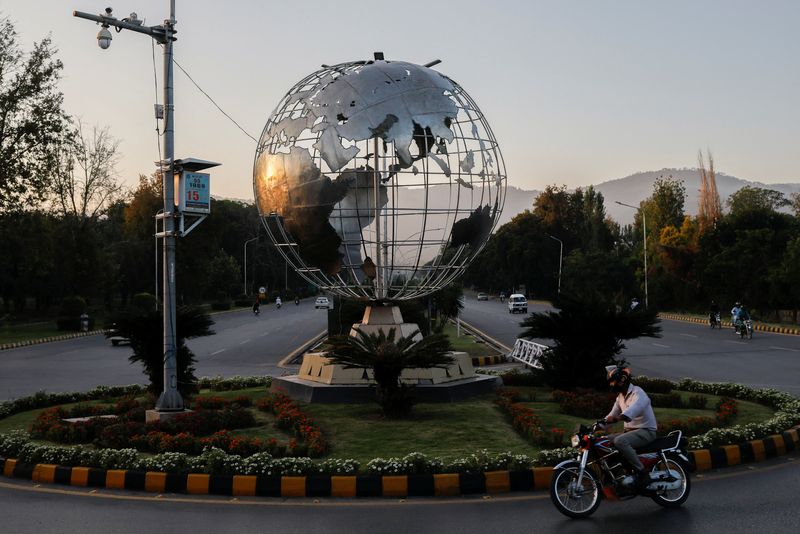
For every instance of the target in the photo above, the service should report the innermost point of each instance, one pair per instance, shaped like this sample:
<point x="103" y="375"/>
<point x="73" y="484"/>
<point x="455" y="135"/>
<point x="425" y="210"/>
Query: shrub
<point x="584" y="402"/>
<point x="698" y="402"/>
<point x="666" y="400"/>
<point x="654" y="385"/>
<point x="522" y="378"/>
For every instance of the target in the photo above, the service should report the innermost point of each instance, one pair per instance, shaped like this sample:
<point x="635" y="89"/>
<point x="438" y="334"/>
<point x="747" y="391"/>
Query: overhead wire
<point x="213" y="102"/>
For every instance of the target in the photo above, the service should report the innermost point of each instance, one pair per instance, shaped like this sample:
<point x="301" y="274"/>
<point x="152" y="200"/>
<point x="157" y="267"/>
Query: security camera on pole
<point x="194" y="191"/>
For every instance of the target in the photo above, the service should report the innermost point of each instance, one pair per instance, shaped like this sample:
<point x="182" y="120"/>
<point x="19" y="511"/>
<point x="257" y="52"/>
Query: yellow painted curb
<point x="45" y="473"/>
<point x="759" y="454"/>
<point x="8" y="468"/>
<point x="79" y="476"/>
<point x="115" y="479"/>
<point x="197" y="484"/>
<point x="155" y="482"/>
<point x="343" y="486"/>
<point x="293" y="486"/>
<point x="446" y="485"/>
<point x="394" y="486"/>
<point x="244" y="485"/>
<point x="542" y="477"/>
<point x="497" y="481"/>
<point x="702" y="459"/>
<point x="733" y="454"/>
<point x="780" y="445"/>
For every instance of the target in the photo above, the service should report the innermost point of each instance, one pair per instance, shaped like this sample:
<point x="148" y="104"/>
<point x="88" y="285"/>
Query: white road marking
<point x="736" y="342"/>
<point x="688" y="335"/>
<point x="785" y="348"/>
<point x="660" y="345"/>
<point x="217" y="352"/>
<point x="264" y="334"/>
<point x="243" y="342"/>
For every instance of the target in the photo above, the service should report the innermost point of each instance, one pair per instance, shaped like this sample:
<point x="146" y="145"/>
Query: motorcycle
<point x="297" y="302"/>
<point x="745" y="329"/>
<point x="256" y="310"/>
<point x="278" y="304"/>
<point x="713" y="320"/>
<point x="599" y="471"/>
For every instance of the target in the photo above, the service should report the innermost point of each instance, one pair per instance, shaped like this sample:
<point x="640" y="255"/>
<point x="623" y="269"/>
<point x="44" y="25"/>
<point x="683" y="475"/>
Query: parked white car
<point x="517" y="303"/>
<point x="322" y="302"/>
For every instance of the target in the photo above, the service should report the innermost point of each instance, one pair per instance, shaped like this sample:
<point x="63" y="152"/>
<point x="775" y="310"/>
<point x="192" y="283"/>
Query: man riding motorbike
<point x="633" y="407"/>
<point x="734" y="314"/>
<point x="741" y="316"/>
<point x="713" y="314"/>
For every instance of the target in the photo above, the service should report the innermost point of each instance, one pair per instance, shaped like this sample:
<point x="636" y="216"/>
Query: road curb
<point x="352" y="486"/>
<point x="50" y="339"/>
<point x="756" y="326"/>
<point x="756" y="450"/>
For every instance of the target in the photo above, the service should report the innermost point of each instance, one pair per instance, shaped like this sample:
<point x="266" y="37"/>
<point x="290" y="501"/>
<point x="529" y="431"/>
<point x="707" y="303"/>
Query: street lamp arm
<point x="156" y="32"/>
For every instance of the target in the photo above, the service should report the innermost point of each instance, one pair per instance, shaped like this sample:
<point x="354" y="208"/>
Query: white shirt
<point x="635" y="404"/>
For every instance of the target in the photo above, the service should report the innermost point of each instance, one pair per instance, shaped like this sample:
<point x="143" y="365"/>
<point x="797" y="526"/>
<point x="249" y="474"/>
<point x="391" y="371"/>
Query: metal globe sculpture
<point x="378" y="180"/>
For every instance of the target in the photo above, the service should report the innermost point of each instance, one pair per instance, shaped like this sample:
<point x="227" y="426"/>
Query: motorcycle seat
<point x="664" y="442"/>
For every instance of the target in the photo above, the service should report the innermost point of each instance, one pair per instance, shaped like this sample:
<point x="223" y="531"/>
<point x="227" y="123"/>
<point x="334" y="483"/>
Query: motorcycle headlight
<point x="576" y="441"/>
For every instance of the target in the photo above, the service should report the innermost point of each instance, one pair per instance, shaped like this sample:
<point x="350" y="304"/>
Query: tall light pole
<point x="560" y="256"/>
<point x="245" y="262"/>
<point x="170" y="399"/>
<point x="644" y="244"/>
<point x="155" y="248"/>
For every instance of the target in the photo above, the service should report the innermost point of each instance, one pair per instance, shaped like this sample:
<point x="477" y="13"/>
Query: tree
<point x="387" y="359"/>
<point x="710" y="208"/>
<point x="32" y="122"/>
<point x="750" y="199"/>
<point x="144" y="329"/>
<point x="588" y="334"/>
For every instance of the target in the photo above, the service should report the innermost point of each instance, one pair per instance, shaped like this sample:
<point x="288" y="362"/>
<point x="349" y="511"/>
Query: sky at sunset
<point x="577" y="92"/>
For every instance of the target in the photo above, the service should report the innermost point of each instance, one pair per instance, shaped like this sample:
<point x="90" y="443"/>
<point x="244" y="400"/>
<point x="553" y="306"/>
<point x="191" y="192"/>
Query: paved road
<point x="684" y="350"/>
<point x="757" y="498"/>
<point x="243" y="345"/>
<point x="761" y="499"/>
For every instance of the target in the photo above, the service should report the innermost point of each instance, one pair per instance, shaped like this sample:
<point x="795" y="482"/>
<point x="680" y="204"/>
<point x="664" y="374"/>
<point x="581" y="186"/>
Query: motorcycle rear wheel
<point x="673" y="498"/>
<point x="568" y="498"/>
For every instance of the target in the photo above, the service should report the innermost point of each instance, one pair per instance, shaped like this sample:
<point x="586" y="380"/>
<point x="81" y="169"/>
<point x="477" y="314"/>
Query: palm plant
<point x="144" y="329"/>
<point x="587" y="334"/>
<point x="387" y="359"/>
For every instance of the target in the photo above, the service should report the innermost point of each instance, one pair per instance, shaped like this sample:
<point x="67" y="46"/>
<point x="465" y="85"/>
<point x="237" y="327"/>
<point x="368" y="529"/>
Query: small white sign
<point x="195" y="192"/>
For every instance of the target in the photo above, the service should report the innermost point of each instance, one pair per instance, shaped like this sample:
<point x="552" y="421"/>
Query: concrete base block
<point x="307" y="391"/>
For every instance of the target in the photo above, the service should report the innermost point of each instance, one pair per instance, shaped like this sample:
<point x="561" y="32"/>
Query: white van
<point x="517" y="303"/>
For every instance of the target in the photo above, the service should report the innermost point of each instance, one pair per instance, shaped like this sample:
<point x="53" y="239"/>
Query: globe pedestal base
<point x="385" y="318"/>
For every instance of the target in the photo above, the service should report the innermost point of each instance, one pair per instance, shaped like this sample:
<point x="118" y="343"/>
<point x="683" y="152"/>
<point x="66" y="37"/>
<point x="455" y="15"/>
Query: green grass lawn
<point x="24" y="332"/>
<point x="467" y="343"/>
<point x="448" y="430"/>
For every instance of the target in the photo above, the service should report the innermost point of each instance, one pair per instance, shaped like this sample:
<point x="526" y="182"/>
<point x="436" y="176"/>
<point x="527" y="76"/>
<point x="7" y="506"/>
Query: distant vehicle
<point x="117" y="339"/>
<point x="517" y="303"/>
<point x="483" y="296"/>
<point x="322" y="302"/>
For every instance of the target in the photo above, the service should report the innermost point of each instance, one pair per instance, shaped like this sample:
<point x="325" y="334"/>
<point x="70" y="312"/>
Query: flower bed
<point x="213" y="459"/>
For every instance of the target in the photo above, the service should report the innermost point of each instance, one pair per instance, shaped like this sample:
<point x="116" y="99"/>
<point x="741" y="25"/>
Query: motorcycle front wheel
<point x="673" y="498"/>
<point x="569" y="498"/>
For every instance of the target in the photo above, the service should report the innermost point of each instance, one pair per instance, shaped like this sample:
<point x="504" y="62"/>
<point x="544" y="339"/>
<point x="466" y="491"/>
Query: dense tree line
<point x="749" y="253"/>
<point x="68" y="227"/>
